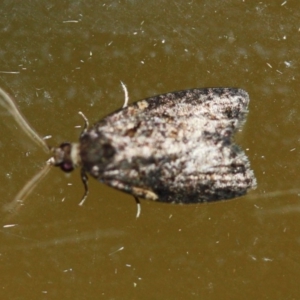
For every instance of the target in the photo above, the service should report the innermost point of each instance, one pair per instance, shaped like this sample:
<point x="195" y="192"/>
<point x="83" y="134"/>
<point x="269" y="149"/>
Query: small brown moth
<point x="175" y="148"/>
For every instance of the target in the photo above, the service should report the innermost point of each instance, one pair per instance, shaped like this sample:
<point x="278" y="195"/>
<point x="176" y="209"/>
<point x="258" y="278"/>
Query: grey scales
<point x="174" y="148"/>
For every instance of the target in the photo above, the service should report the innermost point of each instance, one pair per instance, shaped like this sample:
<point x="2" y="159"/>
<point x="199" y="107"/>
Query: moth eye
<point x="67" y="167"/>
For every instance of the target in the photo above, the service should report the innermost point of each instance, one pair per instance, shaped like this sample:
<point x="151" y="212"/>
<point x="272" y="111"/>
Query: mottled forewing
<point x="176" y="147"/>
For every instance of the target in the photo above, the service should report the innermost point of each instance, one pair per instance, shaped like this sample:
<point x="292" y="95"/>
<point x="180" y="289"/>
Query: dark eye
<point x="67" y="167"/>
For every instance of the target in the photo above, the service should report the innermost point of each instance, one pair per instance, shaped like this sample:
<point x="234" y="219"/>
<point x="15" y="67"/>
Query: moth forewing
<point x="175" y="147"/>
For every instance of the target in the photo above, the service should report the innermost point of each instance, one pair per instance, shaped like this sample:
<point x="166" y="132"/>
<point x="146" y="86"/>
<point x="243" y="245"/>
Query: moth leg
<point x="86" y="122"/>
<point x="138" y="207"/>
<point x="125" y="95"/>
<point x="137" y="192"/>
<point x="84" y="179"/>
<point x="144" y="193"/>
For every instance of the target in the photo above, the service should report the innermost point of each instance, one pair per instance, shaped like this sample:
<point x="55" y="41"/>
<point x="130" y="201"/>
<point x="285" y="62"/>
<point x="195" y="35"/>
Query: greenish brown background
<point x="61" y="57"/>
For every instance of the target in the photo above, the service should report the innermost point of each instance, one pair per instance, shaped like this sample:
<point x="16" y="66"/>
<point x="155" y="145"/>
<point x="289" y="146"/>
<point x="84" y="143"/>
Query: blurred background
<point x="61" y="57"/>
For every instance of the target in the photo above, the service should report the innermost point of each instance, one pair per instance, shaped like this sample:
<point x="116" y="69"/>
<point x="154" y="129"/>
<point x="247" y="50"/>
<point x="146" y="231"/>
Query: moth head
<point x="65" y="156"/>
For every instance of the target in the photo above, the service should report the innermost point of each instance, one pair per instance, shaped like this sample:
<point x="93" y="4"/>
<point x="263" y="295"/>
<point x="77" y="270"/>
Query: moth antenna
<point x="138" y="207"/>
<point x="86" y="121"/>
<point x="84" y="179"/>
<point x="20" y="198"/>
<point x="7" y="102"/>
<point x="126" y="98"/>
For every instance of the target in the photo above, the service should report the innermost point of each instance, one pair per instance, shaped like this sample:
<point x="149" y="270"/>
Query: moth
<point x="175" y="148"/>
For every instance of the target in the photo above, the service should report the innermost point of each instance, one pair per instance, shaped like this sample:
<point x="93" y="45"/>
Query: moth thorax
<point x="66" y="156"/>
